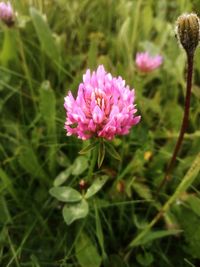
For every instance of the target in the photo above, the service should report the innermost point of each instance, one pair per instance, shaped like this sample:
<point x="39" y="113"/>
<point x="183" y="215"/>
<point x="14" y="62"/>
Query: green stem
<point x="93" y="161"/>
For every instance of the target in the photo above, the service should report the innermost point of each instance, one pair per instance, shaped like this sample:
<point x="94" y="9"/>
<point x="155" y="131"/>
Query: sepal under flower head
<point x="188" y="31"/>
<point x="104" y="107"/>
<point x="6" y="13"/>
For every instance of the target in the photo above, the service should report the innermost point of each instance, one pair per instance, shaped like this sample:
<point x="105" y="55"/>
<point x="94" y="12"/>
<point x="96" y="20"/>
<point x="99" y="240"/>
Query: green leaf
<point x="7" y="185"/>
<point x="8" y="50"/>
<point x="88" y="148"/>
<point x="28" y="159"/>
<point x="177" y="112"/>
<point x="101" y="153"/>
<point x="44" y="34"/>
<point x="147" y="23"/>
<point x="75" y="211"/>
<point x="62" y="176"/>
<point x="142" y="190"/>
<point x="47" y="102"/>
<point x="111" y="150"/>
<point x="80" y="165"/>
<point x="96" y="186"/>
<point x="153" y="235"/>
<point x="86" y="252"/>
<point x="188" y="179"/>
<point x="65" y="194"/>
<point x="145" y="259"/>
<point x="189" y="222"/>
<point x="194" y="203"/>
<point x="5" y="216"/>
<point x="99" y="233"/>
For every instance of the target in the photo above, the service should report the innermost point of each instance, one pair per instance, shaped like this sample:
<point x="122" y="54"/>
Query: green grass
<point x="41" y="58"/>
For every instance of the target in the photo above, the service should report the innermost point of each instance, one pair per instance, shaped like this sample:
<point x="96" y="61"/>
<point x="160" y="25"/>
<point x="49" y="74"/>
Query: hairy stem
<point x="190" y="57"/>
<point x="93" y="160"/>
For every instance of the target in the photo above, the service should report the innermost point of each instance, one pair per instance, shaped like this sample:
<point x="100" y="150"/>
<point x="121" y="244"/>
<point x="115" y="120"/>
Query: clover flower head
<point x="146" y="63"/>
<point x="6" y="13"/>
<point x="104" y="107"/>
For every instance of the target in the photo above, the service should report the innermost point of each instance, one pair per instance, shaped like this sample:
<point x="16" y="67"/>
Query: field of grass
<point x="42" y="57"/>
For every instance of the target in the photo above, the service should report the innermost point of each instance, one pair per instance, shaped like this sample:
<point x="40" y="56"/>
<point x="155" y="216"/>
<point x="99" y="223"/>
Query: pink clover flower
<point x="104" y="107"/>
<point x="6" y="13"/>
<point x="146" y="63"/>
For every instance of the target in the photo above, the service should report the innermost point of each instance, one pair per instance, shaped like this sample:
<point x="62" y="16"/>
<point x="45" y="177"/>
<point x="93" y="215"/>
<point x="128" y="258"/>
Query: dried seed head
<point x="188" y="31"/>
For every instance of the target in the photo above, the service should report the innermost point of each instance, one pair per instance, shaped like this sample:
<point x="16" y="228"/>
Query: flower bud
<point x="7" y="14"/>
<point x="120" y="186"/>
<point x="82" y="184"/>
<point x="188" y="31"/>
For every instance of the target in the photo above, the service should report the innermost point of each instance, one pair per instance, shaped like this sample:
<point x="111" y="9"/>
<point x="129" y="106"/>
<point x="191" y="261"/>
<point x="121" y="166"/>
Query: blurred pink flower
<point x="146" y="63"/>
<point x="6" y="13"/>
<point x="104" y="107"/>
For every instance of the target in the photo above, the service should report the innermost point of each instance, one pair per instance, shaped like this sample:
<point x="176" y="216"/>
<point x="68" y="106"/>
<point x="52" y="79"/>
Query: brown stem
<point x="190" y="57"/>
